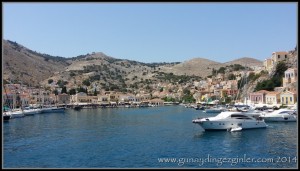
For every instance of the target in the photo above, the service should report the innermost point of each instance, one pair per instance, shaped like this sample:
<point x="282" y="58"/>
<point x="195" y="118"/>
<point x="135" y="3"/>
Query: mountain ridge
<point x="33" y="68"/>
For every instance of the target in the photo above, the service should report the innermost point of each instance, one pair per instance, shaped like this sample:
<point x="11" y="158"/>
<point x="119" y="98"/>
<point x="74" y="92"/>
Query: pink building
<point x="258" y="97"/>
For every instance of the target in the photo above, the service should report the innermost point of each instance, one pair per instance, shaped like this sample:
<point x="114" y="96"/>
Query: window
<point x="282" y="99"/>
<point x="237" y="116"/>
<point x="278" y="56"/>
<point x="285" y="56"/>
<point x="291" y="99"/>
<point x="286" y="99"/>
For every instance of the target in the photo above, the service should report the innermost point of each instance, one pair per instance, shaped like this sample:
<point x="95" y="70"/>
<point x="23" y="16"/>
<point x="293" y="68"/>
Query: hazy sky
<point x="154" y="32"/>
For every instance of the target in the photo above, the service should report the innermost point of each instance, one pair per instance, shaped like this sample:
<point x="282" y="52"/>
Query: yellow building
<point x="279" y="56"/>
<point x="288" y="98"/>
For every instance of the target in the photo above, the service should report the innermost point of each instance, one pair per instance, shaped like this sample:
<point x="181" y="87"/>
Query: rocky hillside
<point x="97" y="70"/>
<point x="245" y="61"/>
<point x="100" y="70"/>
<point x="292" y="62"/>
<point x="197" y="66"/>
<point x="27" y="66"/>
<point x="204" y="67"/>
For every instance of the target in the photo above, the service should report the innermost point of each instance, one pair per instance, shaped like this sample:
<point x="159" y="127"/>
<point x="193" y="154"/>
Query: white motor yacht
<point x="230" y="120"/>
<point x="286" y="115"/>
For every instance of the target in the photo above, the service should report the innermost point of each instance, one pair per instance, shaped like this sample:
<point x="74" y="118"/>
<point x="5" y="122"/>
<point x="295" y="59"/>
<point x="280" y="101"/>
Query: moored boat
<point x="31" y="111"/>
<point x="230" y="120"/>
<point x="15" y="113"/>
<point x="283" y="115"/>
<point x="53" y="109"/>
<point x="5" y="117"/>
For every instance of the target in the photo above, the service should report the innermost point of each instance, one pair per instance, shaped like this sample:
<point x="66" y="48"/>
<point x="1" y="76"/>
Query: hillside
<point x="292" y="62"/>
<point x="245" y="61"/>
<point x="99" y="71"/>
<point x="102" y="71"/>
<point x="27" y="66"/>
<point x="198" y="66"/>
<point x="204" y="67"/>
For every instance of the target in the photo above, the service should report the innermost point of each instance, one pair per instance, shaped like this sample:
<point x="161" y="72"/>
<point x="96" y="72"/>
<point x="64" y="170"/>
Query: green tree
<point x="80" y="89"/>
<point x="86" y="82"/>
<point x="231" y="77"/>
<point x="275" y="81"/>
<point x="222" y="70"/>
<point x="72" y="91"/>
<point x="95" y="92"/>
<point x="50" y="81"/>
<point x="64" y="90"/>
<point x="55" y="92"/>
<point x="161" y="89"/>
<point x="72" y="74"/>
<point x="186" y="91"/>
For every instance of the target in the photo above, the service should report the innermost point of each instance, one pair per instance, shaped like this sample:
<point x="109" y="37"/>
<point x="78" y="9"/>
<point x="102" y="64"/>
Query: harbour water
<point x="155" y="137"/>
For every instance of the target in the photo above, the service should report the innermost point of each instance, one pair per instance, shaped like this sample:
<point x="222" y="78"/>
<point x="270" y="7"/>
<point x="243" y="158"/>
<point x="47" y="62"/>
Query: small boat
<point x="235" y="129"/>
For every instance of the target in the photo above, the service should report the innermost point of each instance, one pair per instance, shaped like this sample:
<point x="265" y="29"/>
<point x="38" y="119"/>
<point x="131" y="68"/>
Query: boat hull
<point x="53" y="110"/>
<point x="15" y="114"/>
<point x="213" y="111"/>
<point x="227" y="125"/>
<point x="280" y="119"/>
<point x="281" y="115"/>
<point x="31" y="112"/>
<point x="6" y="117"/>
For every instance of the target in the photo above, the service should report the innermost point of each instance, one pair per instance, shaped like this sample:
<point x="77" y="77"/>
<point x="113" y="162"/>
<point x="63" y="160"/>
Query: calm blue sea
<point x="156" y="137"/>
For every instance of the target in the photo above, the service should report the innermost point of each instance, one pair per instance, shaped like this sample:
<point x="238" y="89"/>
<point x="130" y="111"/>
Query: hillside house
<point x="279" y="56"/>
<point x="290" y="76"/>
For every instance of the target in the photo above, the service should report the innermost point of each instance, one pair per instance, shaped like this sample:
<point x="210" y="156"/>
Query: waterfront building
<point x="63" y="98"/>
<point x="127" y="98"/>
<point x="273" y="98"/>
<point x="102" y="99"/>
<point x="288" y="98"/>
<point x="80" y="97"/>
<point x="143" y="97"/>
<point x="258" y="97"/>
<point x="112" y="96"/>
<point x="156" y="102"/>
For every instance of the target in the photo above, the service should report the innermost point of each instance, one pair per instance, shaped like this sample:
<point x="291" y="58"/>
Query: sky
<point x="153" y="32"/>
